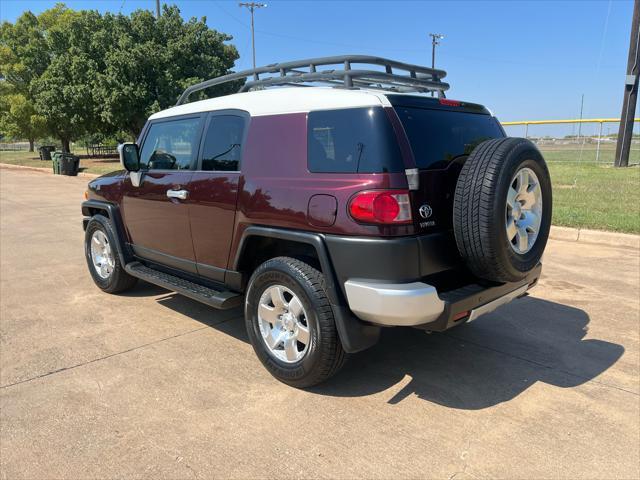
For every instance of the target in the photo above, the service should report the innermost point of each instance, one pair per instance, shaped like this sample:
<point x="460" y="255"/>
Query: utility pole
<point x="157" y="8"/>
<point x="630" y="98"/>
<point x="252" y="6"/>
<point x="580" y="123"/>
<point x="435" y="40"/>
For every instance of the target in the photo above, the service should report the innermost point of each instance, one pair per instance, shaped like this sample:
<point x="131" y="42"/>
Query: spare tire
<point x="502" y="209"/>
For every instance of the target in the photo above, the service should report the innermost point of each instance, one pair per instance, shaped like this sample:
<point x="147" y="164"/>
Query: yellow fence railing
<point x="577" y="120"/>
<point x="601" y="121"/>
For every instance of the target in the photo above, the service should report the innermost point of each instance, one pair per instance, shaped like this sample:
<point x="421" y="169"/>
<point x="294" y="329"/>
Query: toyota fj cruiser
<point x="328" y="212"/>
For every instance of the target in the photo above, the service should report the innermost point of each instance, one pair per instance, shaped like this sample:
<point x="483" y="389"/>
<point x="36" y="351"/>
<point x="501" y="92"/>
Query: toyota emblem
<point x="425" y="211"/>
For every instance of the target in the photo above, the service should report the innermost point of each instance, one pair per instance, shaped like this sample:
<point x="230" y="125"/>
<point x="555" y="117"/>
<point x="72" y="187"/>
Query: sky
<point x="525" y="60"/>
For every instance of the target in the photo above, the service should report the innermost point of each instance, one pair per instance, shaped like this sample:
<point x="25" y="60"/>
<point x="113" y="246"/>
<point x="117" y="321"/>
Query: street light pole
<point x="252" y="6"/>
<point x="435" y="40"/>
<point x="157" y="8"/>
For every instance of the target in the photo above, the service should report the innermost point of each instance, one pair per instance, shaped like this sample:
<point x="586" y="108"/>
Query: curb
<point x="9" y="166"/>
<point x="583" y="235"/>
<point x="566" y="234"/>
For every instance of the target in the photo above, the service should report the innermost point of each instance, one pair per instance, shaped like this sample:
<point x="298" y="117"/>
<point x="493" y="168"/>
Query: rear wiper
<point x="360" y="147"/>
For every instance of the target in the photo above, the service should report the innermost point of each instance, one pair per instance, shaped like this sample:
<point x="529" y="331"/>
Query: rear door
<point x="156" y="212"/>
<point x="441" y="137"/>
<point x="213" y="191"/>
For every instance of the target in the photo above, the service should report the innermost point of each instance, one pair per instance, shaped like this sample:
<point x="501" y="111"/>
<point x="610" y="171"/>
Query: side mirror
<point x="129" y="156"/>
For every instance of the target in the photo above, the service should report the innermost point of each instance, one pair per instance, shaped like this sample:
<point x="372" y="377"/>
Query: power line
<point x="252" y="6"/>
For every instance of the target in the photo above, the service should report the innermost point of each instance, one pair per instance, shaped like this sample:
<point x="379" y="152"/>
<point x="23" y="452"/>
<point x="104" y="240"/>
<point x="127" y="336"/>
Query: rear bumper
<point x="418" y="304"/>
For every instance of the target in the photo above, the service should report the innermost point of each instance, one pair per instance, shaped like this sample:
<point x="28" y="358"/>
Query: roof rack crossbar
<point x="419" y="78"/>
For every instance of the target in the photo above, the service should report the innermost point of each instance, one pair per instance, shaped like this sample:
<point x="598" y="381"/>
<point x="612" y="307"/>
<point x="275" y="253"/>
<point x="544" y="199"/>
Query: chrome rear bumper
<point x="419" y="304"/>
<point x="394" y="304"/>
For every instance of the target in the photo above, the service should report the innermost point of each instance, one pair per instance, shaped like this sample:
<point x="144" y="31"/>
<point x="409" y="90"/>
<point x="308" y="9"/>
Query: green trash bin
<point x="45" y="151"/>
<point x="68" y="164"/>
<point x="55" y="162"/>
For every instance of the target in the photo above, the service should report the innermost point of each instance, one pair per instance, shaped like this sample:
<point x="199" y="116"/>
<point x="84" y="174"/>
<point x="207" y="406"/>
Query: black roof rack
<point x="300" y="72"/>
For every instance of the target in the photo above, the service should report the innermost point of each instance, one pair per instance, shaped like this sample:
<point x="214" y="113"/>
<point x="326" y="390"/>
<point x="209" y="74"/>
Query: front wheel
<point x="103" y="259"/>
<point x="290" y="323"/>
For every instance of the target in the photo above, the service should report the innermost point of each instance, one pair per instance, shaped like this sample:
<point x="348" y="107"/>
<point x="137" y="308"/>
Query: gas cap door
<point x="322" y="210"/>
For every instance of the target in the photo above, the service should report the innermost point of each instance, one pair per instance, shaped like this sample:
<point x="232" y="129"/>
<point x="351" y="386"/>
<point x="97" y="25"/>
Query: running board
<point x="222" y="300"/>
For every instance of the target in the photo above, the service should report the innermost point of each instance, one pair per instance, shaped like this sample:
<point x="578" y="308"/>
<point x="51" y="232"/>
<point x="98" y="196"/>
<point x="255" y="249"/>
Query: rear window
<point x="353" y="140"/>
<point x="440" y="136"/>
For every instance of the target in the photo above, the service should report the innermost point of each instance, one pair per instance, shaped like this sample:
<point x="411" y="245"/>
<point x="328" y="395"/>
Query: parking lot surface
<point x="149" y="384"/>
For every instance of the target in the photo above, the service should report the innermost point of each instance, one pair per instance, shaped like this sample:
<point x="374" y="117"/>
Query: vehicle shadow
<point x="474" y="366"/>
<point x="484" y="363"/>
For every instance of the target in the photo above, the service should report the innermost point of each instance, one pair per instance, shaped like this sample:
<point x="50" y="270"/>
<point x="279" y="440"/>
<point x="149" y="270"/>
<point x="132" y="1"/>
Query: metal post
<point x="598" y="147"/>
<point x="253" y="40"/>
<point x="580" y="123"/>
<point x="435" y="40"/>
<point x="623" y="147"/>
<point x="252" y="6"/>
<point x="157" y="8"/>
<point x="526" y="130"/>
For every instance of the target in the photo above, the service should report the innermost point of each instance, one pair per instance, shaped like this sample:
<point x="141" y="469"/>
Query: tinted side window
<point x="171" y="145"/>
<point x="353" y="140"/>
<point x="439" y="136"/>
<point x="223" y="143"/>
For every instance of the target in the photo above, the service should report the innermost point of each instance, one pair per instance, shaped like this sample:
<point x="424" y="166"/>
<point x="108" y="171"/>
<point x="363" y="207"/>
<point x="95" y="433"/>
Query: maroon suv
<point x="327" y="211"/>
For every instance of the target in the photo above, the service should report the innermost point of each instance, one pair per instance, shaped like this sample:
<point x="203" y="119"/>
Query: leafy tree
<point x="64" y="93"/>
<point x="65" y="97"/>
<point x="18" y="117"/>
<point x="24" y="55"/>
<point x="154" y="60"/>
<point x="85" y="73"/>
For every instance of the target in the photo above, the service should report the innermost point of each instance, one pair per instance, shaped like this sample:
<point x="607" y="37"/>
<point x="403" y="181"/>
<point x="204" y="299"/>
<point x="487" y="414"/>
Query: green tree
<point x="64" y="93"/>
<point x="18" y="118"/>
<point x="23" y="57"/>
<point x="85" y="73"/>
<point x="64" y="97"/>
<point x="24" y="54"/>
<point x="153" y="61"/>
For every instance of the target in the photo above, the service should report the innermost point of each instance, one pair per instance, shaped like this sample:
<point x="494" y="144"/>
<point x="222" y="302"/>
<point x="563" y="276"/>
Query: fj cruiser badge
<point x="425" y="211"/>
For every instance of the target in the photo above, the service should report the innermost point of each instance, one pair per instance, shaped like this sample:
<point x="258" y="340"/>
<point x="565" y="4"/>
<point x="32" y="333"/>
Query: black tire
<point x="119" y="280"/>
<point x="479" y="209"/>
<point x="324" y="356"/>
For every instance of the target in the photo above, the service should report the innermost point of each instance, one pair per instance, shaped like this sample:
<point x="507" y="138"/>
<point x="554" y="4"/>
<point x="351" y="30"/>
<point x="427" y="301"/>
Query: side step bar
<point x="217" y="299"/>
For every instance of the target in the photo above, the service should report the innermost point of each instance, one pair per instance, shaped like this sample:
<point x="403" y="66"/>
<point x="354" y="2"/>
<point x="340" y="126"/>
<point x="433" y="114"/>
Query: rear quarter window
<point x="439" y="136"/>
<point x="353" y="140"/>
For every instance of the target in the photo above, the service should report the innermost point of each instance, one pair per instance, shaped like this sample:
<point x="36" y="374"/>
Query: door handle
<point x="180" y="194"/>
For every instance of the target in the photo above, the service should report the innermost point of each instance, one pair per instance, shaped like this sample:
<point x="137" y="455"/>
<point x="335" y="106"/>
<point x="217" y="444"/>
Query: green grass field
<point x="31" y="159"/>
<point x="585" y="194"/>
<point x="594" y="195"/>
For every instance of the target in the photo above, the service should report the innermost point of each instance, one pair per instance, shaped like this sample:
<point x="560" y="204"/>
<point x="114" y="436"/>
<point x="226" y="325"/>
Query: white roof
<point x="282" y="100"/>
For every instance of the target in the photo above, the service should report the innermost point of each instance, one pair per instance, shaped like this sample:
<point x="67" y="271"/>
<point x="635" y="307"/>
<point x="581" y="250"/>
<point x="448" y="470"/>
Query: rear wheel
<point x="502" y="209"/>
<point x="290" y="323"/>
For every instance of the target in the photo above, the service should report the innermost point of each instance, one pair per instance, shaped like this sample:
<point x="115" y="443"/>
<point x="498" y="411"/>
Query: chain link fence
<point x="14" y="147"/>
<point x="589" y="141"/>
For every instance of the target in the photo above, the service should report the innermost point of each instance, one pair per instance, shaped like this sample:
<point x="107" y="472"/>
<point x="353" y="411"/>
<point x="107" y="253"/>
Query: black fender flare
<point x="111" y="211"/>
<point x="355" y="335"/>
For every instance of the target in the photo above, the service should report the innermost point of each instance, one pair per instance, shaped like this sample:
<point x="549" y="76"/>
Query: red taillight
<point x="449" y="103"/>
<point x="381" y="206"/>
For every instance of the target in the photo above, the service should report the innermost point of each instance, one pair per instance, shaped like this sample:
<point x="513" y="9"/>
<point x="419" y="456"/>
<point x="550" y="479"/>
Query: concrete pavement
<point x="150" y="384"/>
